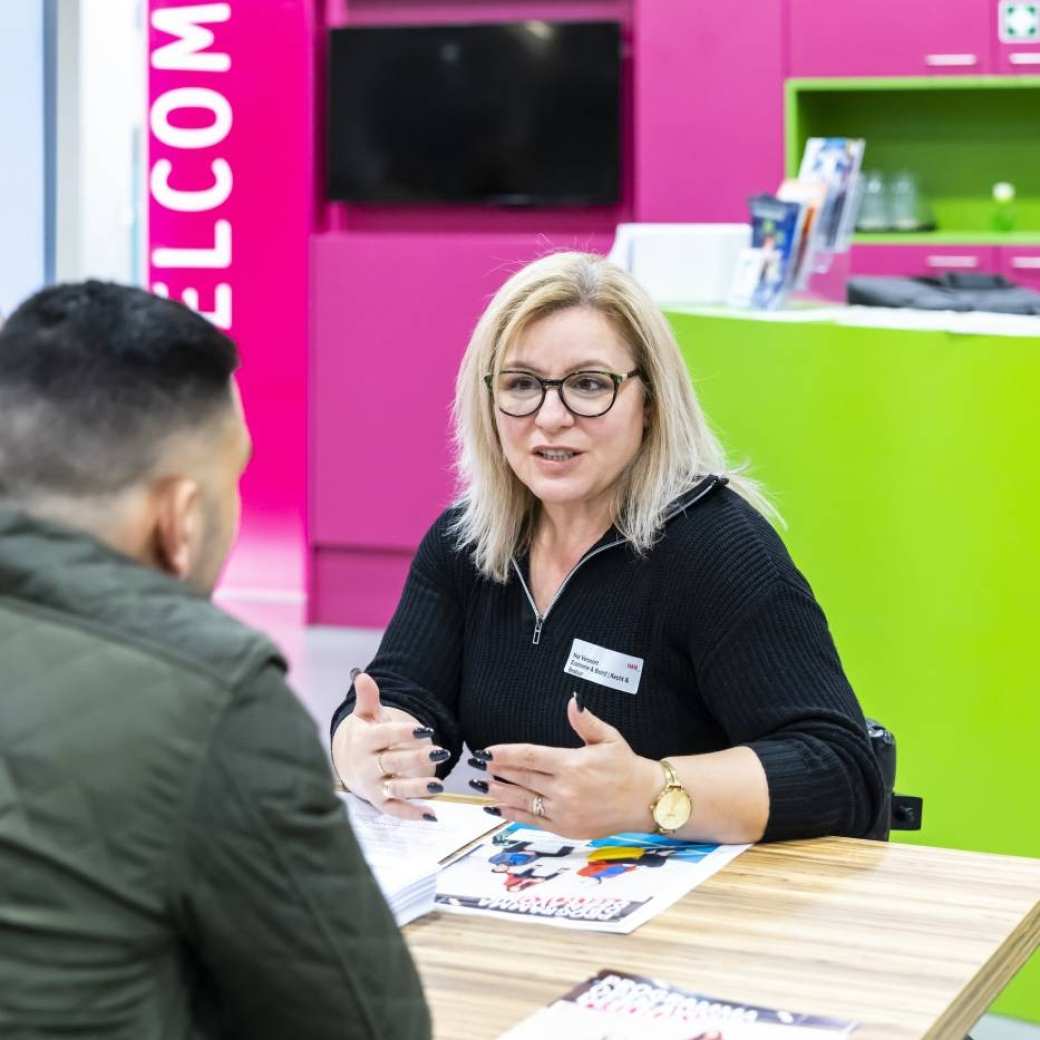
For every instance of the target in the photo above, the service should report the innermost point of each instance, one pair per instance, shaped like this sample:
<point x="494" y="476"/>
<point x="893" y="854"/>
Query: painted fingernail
<point x="435" y="788"/>
<point x="578" y="701"/>
<point x="429" y="816"/>
<point x="484" y="756"/>
<point x="422" y="732"/>
<point x="477" y="764"/>
<point x="479" y="785"/>
<point x="492" y="810"/>
<point x="354" y="673"/>
<point x="439" y="755"/>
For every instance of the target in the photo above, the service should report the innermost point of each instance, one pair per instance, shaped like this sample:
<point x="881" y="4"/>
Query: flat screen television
<point x="511" y="114"/>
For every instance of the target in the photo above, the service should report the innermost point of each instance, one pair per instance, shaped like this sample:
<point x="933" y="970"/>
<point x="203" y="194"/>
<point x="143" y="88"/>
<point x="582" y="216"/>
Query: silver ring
<point x="387" y="793"/>
<point x="537" y="806"/>
<point x="379" y="763"/>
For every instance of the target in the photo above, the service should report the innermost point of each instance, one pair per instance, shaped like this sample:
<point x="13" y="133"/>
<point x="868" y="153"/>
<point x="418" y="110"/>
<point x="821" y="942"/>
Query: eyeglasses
<point x="587" y="394"/>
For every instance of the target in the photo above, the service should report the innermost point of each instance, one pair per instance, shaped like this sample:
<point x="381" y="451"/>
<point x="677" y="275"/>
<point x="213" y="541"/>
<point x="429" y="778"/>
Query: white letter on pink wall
<point x="221" y="313"/>
<point x="186" y="52"/>
<point x="215" y="256"/>
<point x="190" y="136"/>
<point x="191" y="200"/>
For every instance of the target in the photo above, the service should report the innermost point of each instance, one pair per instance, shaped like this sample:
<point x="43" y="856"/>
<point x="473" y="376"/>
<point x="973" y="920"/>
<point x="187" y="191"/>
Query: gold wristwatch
<point x="673" y="805"/>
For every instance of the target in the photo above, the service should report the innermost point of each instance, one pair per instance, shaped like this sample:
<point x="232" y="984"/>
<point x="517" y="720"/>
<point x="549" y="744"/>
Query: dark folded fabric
<point x="953" y="291"/>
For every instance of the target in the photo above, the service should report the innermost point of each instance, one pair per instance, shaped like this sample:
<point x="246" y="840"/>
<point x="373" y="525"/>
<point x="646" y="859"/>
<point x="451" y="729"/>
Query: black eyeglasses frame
<point x="617" y="378"/>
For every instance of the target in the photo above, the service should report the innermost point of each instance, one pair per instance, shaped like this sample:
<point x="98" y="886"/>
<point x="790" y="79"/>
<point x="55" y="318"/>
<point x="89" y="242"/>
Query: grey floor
<point x="320" y="662"/>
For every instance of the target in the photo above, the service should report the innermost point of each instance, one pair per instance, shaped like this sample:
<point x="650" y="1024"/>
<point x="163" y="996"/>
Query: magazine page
<point x="611" y="884"/>
<point x="614" y="1005"/>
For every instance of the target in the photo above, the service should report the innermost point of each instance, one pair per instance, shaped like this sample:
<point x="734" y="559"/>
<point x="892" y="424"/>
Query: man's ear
<point x="178" y="526"/>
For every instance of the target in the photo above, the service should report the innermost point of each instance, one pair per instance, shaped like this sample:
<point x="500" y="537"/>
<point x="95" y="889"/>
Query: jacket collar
<point x="47" y="567"/>
<point x="704" y="487"/>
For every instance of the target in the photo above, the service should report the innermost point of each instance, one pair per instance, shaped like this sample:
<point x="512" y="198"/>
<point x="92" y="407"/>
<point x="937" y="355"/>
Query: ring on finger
<point x="383" y="771"/>
<point x="537" y="806"/>
<point x="387" y="793"/>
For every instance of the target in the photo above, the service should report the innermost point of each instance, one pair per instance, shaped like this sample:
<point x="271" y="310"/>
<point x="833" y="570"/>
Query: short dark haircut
<point x="94" y="377"/>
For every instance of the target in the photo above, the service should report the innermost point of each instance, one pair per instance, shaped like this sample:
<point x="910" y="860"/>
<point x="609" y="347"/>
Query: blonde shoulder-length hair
<point x="497" y="513"/>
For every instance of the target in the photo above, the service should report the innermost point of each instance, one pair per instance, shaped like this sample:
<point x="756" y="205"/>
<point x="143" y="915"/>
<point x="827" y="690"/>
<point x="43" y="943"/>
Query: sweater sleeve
<point x="774" y="683"/>
<point x="276" y="904"/>
<point x="419" y="662"/>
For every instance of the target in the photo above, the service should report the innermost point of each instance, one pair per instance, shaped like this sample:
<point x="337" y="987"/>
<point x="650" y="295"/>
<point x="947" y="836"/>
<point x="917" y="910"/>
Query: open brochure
<point x="405" y="855"/>
<point x="611" y="884"/>
<point x="616" y="1006"/>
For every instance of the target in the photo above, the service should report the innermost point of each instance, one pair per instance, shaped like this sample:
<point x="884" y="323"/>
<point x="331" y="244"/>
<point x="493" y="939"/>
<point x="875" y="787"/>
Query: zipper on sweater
<point x="539" y="619"/>
<point x="709" y="482"/>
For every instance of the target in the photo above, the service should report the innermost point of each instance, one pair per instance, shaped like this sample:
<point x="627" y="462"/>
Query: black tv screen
<point x="516" y="113"/>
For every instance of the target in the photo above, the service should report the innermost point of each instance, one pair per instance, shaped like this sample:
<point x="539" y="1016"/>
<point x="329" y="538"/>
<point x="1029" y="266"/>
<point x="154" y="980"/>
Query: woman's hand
<point x="587" y="792"/>
<point x="385" y="756"/>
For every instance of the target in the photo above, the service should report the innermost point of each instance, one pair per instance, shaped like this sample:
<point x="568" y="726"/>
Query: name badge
<point x="603" y="666"/>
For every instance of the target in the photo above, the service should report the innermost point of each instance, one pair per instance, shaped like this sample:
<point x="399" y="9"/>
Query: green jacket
<point x="174" y="862"/>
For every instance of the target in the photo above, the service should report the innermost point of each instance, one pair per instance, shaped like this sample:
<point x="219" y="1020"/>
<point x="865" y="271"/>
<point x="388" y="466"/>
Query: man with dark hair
<point x="173" y="859"/>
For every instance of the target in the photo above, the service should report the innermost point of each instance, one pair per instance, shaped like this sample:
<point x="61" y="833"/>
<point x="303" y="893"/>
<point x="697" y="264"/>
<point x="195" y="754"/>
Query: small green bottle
<point x="1003" y="206"/>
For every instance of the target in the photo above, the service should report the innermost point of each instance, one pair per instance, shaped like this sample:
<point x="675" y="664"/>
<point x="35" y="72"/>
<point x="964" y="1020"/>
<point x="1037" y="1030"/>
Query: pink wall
<point x="396" y="290"/>
<point x="231" y="113"/>
<point x="708" y="107"/>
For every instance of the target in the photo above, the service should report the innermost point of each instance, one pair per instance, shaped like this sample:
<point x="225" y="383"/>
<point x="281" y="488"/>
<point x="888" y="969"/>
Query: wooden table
<point x="907" y="940"/>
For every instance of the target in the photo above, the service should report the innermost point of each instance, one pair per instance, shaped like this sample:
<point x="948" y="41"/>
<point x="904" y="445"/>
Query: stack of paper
<point x="405" y="855"/>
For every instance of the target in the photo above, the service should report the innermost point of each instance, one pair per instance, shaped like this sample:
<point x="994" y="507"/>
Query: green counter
<point x="907" y="466"/>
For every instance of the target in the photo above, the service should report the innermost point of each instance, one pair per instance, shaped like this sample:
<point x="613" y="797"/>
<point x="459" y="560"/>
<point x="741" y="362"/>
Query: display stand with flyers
<point x="796" y="233"/>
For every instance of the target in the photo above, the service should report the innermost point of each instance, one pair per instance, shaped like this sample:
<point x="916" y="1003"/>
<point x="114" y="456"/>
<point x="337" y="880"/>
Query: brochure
<point x="746" y="275"/>
<point x="614" y="1005"/>
<point x="836" y="161"/>
<point x="611" y="884"/>
<point x="811" y="195"/>
<point x="405" y="855"/>
<point x="776" y="229"/>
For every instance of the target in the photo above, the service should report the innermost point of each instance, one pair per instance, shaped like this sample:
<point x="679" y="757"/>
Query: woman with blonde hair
<point x="605" y="613"/>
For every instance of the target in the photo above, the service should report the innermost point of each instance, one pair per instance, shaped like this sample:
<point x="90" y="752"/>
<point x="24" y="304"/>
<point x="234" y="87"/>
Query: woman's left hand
<point x="587" y="792"/>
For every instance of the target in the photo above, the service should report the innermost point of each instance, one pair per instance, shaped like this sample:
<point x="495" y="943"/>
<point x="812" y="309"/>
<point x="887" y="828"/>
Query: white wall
<point x="102" y="105"/>
<point x="22" y="144"/>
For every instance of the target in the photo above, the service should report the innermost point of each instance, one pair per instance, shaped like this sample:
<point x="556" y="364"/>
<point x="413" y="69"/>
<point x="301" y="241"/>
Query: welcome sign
<point x="231" y="200"/>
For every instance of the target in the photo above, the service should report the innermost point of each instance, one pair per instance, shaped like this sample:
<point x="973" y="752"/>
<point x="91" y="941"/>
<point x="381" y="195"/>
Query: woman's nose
<point x="552" y="413"/>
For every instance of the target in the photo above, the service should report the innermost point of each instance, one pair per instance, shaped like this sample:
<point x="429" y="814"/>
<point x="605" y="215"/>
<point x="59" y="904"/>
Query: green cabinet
<point x="905" y="465"/>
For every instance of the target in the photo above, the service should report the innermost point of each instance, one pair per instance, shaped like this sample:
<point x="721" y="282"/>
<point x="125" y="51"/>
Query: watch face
<point x="672" y="809"/>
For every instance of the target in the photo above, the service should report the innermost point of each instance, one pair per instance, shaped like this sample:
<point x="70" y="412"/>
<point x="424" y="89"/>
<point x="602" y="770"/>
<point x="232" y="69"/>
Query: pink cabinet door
<point x="697" y="157"/>
<point x="914" y="261"/>
<point x="392" y="313"/>
<point x="1021" y="265"/>
<point x="1017" y="41"/>
<point x="889" y="37"/>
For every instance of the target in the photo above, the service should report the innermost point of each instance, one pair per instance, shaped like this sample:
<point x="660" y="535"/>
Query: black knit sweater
<point x="735" y="651"/>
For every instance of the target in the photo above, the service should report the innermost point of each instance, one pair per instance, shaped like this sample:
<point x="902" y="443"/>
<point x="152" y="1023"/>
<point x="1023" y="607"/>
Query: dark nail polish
<point x="429" y="816"/>
<point x="439" y="755"/>
<point x="434" y="787"/>
<point x="422" y="732"/>
<point x="492" y="810"/>
<point x="477" y="764"/>
<point x="578" y="700"/>
<point x="354" y="673"/>
<point x="484" y="756"/>
<point x="479" y="785"/>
